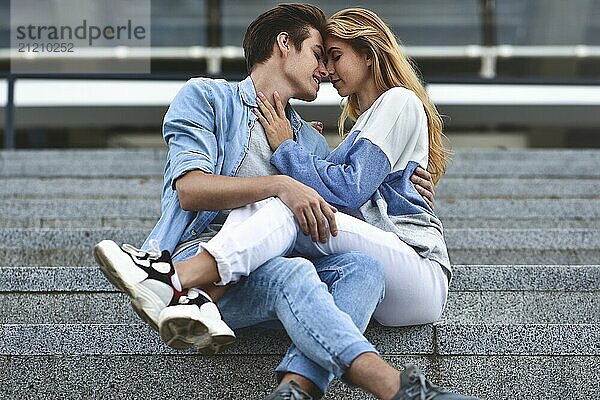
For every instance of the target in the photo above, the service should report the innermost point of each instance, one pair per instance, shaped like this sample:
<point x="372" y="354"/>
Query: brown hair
<point x="295" y="19"/>
<point x="368" y="34"/>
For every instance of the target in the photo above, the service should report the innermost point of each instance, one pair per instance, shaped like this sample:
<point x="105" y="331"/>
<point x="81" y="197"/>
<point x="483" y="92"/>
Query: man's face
<point x="305" y="69"/>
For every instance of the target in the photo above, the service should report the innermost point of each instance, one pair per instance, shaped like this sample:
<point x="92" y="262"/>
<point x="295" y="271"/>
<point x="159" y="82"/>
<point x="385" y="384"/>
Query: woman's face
<point x="349" y="71"/>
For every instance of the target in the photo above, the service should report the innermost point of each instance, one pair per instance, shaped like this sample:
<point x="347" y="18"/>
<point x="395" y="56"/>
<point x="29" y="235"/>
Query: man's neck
<point x="267" y="82"/>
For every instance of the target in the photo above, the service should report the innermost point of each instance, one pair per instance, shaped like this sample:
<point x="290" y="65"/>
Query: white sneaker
<point x="145" y="276"/>
<point x="195" y="321"/>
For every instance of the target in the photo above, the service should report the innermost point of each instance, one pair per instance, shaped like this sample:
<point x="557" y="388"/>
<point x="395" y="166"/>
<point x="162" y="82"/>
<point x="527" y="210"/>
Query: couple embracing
<point x="261" y="219"/>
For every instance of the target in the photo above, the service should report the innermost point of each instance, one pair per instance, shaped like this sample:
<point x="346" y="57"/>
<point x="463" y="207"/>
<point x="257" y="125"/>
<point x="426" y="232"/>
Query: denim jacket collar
<point x="248" y="93"/>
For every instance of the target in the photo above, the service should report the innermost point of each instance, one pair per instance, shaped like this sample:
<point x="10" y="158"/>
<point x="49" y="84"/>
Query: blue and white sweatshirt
<point x="368" y="174"/>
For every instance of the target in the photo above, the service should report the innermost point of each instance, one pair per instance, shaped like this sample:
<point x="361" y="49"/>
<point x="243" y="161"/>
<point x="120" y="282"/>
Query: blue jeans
<point x="324" y="306"/>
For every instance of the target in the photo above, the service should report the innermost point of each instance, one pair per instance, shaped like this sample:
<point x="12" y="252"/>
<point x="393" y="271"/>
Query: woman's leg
<point x="251" y="236"/>
<point x="415" y="287"/>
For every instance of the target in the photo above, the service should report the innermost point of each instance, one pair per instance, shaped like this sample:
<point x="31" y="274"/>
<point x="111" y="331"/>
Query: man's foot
<point x="414" y="386"/>
<point x="195" y="321"/>
<point x="289" y="391"/>
<point x="147" y="277"/>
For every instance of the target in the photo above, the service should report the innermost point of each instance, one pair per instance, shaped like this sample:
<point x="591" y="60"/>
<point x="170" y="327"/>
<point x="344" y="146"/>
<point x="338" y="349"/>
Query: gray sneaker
<point x="289" y="391"/>
<point x="414" y="386"/>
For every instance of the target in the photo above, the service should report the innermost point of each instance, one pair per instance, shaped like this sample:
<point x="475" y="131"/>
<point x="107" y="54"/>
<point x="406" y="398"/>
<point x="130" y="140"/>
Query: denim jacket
<point x="207" y="128"/>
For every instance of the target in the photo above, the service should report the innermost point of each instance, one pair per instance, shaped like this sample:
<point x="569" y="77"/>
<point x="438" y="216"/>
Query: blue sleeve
<point x="188" y="131"/>
<point x="349" y="184"/>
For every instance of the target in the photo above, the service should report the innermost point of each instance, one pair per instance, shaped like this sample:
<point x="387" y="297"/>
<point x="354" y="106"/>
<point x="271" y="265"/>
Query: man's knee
<point x="287" y="271"/>
<point x="366" y="270"/>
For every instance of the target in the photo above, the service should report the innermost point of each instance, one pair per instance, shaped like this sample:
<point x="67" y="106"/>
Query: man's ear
<point x="283" y="42"/>
<point x="369" y="59"/>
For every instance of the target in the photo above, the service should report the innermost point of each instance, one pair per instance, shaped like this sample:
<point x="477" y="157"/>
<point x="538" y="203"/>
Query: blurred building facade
<point x="546" y="50"/>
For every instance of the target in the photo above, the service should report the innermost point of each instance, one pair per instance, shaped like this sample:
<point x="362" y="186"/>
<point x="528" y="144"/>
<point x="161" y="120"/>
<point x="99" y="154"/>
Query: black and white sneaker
<point x="289" y="391"/>
<point x="145" y="276"/>
<point x="414" y="386"/>
<point x="195" y="321"/>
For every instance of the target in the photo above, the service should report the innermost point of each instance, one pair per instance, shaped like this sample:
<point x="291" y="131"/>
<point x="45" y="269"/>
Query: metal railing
<point x="215" y="56"/>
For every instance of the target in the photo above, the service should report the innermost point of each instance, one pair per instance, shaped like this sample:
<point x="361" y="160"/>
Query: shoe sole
<point x="143" y="301"/>
<point x="180" y="330"/>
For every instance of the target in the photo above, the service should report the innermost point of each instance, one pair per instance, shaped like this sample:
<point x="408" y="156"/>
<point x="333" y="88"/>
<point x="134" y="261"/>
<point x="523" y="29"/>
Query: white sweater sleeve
<point x="397" y="124"/>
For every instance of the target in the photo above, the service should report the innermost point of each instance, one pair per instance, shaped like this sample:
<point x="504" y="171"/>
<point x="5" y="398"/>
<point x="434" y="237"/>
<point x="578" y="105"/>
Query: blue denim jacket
<point x="207" y="128"/>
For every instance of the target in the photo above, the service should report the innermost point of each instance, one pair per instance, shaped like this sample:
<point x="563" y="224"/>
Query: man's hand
<point x="318" y="125"/>
<point x="424" y="185"/>
<point x="276" y="125"/>
<point x="313" y="213"/>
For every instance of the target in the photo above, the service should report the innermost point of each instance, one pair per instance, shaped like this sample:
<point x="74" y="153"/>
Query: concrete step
<point x="136" y="155"/>
<point x="144" y="163"/>
<point x="442" y="338"/>
<point x="445" y="208"/>
<point x="473" y="307"/>
<point x="80" y="188"/>
<point x="52" y="247"/>
<point x="455" y="213"/>
<point x="521" y="321"/>
<point x="218" y="377"/>
<point x="149" y="222"/>
<point x="467" y="278"/>
<point x="150" y="188"/>
<point x="517" y="188"/>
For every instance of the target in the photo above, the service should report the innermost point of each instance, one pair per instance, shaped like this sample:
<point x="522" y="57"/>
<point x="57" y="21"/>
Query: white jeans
<point x="415" y="287"/>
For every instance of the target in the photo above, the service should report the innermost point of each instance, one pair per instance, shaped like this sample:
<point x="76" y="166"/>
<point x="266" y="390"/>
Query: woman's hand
<point x="277" y="127"/>
<point x="424" y="184"/>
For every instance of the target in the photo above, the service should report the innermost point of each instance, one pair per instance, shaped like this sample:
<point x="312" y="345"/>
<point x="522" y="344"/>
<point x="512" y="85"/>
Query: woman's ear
<point x="283" y="42"/>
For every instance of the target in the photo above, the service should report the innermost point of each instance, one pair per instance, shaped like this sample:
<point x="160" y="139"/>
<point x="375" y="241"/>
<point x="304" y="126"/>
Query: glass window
<point x="548" y="22"/>
<point x="179" y="23"/>
<point x="416" y="23"/>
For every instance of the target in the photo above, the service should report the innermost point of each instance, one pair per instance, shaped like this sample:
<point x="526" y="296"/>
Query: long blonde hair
<point x="368" y="34"/>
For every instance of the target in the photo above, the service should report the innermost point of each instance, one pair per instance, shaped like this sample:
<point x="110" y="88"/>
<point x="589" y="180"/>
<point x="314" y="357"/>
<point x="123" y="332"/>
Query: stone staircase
<point x="522" y="320"/>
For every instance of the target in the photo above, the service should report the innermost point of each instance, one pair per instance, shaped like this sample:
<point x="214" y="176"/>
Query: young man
<point x="218" y="160"/>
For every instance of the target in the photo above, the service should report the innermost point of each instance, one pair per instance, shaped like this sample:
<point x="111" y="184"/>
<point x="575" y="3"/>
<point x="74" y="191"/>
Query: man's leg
<point x="326" y="339"/>
<point x="356" y="285"/>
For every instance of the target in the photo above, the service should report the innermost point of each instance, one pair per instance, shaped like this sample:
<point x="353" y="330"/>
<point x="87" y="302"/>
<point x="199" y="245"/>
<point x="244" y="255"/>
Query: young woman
<point x="367" y="177"/>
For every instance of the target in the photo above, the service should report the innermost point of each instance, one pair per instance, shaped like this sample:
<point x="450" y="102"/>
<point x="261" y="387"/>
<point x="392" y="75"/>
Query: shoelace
<point x="191" y="295"/>
<point x="293" y="395"/>
<point x="154" y="252"/>
<point x="423" y="387"/>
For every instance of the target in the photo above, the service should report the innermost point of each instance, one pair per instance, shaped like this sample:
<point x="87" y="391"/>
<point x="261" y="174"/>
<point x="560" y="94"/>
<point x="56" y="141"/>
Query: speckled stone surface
<point x="83" y="168"/>
<point x="524" y="256"/>
<point x="150" y="188"/>
<point x="526" y="277"/>
<point x="214" y="378"/>
<point x="157" y="377"/>
<point x="127" y="339"/>
<point x="522" y="320"/>
<point x="147" y="222"/>
<point x="80" y="188"/>
<point x="520" y="377"/>
<point x="150" y="208"/>
<point x="57" y="239"/>
<point x="514" y="188"/>
<point x="490" y="307"/>
<point x="53" y="279"/>
<point x="517" y="339"/>
<point x="496" y="222"/>
<point x="522" y="307"/>
<point x="567" y="278"/>
<point x="457" y="239"/>
<point x="136" y="163"/>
